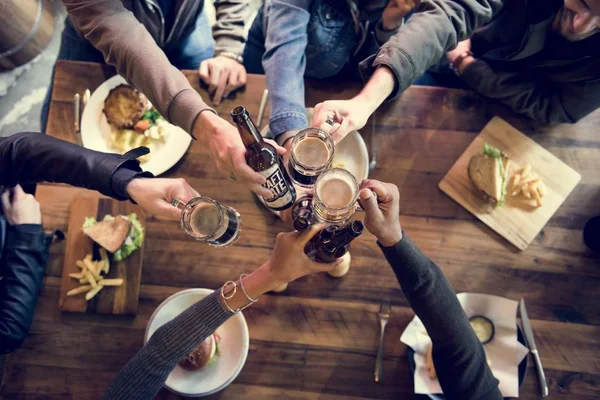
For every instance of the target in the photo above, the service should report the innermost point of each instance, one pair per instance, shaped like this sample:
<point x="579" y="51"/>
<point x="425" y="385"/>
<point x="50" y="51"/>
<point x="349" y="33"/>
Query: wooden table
<point x="318" y="339"/>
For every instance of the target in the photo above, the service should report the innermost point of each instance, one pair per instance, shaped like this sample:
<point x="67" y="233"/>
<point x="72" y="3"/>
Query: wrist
<point x="205" y="123"/>
<point x="391" y="239"/>
<point x="390" y="24"/>
<point x="380" y="86"/>
<point x="262" y="280"/>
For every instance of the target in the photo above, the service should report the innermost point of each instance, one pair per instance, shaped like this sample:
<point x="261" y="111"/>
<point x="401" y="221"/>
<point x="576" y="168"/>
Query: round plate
<point x="95" y="132"/>
<point x="522" y="366"/>
<point x="234" y="345"/>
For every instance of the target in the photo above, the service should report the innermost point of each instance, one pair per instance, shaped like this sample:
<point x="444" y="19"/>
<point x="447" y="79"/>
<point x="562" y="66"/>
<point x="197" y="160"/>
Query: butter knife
<point x="76" y="112"/>
<point x="533" y="348"/>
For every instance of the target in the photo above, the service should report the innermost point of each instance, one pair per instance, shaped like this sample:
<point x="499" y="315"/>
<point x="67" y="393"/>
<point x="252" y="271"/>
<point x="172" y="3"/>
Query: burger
<point x="205" y="354"/>
<point x="488" y="171"/>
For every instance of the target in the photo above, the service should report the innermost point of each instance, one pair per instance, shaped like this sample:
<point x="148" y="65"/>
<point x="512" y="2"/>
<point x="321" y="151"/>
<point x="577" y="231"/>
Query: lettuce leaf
<point x="491" y="151"/>
<point x="89" y="221"/>
<point x="133" y="241"/>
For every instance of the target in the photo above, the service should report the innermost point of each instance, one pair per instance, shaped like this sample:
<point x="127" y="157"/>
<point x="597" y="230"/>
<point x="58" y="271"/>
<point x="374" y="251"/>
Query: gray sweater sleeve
<point x="144" y="375"/>
<point x="229" y="29"/>
<point x="434" y="29"/>
<point x="458" y="356"/>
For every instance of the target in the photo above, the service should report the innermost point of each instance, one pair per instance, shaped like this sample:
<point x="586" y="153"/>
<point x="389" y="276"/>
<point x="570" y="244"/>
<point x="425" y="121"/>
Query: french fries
<point x="429" y="361"/>
<point x="91" y="277"/>
<point x="529" y="184"/>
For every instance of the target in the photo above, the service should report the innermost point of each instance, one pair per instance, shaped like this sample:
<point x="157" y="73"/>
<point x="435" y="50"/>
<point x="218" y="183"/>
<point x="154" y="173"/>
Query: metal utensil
<point x="384" y="316"/>
<point x="531" y="344"/>
<point x="85" y="98"/>
<point x="76" y="111"/>
<point x="261" y="109"/>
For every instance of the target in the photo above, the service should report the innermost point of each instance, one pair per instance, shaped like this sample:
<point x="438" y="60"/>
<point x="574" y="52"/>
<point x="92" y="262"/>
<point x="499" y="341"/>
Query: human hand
<point x="395" y="11"/>
<point x="223" y="75"/>
<point x="228" y="152"/>
<point x="382" y="217"/>
<point x="348" y="115"/>
<point x="156" y="194"/>
<point x="453" y="55"/>
<point x="288" y="261"/>
<point x="22" y="209"/>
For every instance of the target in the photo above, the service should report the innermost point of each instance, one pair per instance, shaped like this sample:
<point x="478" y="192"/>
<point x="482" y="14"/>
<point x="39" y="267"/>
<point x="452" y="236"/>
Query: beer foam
<point x="312" y="152"/>
<point x="336" y="191"/>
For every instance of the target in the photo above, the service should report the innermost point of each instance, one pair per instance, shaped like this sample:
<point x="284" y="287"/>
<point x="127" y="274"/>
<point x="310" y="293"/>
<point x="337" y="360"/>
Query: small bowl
<point x="234" y="345"/>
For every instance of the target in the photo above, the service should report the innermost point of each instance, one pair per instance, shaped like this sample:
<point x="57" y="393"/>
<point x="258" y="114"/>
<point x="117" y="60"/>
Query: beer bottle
<point x="333" y="242"/>
<point x="302" y="213"/>
<point x="263" y="158"/>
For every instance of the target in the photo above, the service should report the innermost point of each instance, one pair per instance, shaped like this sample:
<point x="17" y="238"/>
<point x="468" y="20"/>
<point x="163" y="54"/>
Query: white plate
<point x="234" y="345"/>
<point x="95" y="132"/>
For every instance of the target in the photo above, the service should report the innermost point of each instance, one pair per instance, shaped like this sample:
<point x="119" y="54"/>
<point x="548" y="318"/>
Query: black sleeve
<point x="540" y="100"/>
<point x="30" y="157"/>
<point x="458" y="356"/>
<point x="21" y="274"/>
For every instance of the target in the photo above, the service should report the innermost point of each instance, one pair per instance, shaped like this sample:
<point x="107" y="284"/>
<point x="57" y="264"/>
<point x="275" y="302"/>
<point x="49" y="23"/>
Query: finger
<point x="5" y="202"/>
<point x="260" y="190"/>
<point x="167" y="210"/>
<point x="203" y="71"/>
<point x="213" y="82"/>
<point x="220" y="90"/>
<point x="231" y="84"/>
<point x="244" y="172"/>
<point x="183" y="191"/>
<point x="342" y="130"/>
<point x="368" y="202"/>
<point x="242" y="76"/>
<point x="18" y="193"/>
<point x="309" y="233"/>
<point x="316" y="112"/>
<point x="383" y="194"/>
<point x="280" y="150"/>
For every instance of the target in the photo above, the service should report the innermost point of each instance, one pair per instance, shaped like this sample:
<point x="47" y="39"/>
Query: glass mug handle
<point x="178" y="204"/>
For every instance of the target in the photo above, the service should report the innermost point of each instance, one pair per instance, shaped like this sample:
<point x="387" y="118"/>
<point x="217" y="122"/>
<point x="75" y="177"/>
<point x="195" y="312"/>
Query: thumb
<point x="368" y="202"/>
<point x="18" y="193"/>
<point x="341" y="132"/>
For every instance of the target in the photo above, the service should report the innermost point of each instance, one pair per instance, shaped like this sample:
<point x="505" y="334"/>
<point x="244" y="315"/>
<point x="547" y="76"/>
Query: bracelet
<point x="456" y="63"/>
<point x="232" y="56"/>
<point x="242" y="276"/>
<point x="231" y="288"/>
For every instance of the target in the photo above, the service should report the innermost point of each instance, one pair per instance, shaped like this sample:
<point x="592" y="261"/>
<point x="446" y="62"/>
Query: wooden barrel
<point x="26" y="27"/>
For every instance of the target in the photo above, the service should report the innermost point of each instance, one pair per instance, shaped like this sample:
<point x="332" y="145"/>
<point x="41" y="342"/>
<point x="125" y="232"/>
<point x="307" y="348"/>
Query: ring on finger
<point x="233" y="177"/>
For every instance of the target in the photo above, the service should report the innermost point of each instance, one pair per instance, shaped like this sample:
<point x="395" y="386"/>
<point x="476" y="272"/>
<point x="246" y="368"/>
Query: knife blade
<point x="531" y="344"/>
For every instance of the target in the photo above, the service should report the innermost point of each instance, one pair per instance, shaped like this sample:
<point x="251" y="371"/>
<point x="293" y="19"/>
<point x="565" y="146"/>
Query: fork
<point x="384" y="316"/>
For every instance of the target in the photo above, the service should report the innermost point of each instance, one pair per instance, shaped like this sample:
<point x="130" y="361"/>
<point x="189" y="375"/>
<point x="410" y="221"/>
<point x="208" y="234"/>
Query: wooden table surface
<point x="318" y="339"/>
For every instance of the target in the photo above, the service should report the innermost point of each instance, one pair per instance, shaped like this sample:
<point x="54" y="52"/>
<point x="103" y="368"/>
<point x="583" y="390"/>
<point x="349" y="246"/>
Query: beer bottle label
<point x="277" y="184"/>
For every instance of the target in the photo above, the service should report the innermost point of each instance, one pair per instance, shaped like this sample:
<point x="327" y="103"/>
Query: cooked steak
<point x="124" y="106"/>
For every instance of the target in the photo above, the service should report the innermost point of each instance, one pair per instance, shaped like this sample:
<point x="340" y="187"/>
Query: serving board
<point x="110" y="300"/>
<point x="515" y="221"/>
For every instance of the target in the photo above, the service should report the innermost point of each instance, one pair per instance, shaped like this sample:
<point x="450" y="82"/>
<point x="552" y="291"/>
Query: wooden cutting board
<point x="110" y="300"/>
<point x="516" y="222"/>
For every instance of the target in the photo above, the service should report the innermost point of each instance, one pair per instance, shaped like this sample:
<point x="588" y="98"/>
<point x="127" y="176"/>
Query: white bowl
<point x="234" y="345"/>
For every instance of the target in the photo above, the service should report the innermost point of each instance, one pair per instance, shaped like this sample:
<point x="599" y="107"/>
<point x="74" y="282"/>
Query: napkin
<point x="504" y="351"/>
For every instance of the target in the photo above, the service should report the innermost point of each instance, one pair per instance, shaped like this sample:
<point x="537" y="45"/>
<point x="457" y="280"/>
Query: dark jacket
<point x="521" y="62"/>
<point x="29" y="158"/>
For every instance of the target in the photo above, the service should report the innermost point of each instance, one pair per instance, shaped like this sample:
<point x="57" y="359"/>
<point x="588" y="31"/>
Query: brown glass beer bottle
<point x="333" y="242"/>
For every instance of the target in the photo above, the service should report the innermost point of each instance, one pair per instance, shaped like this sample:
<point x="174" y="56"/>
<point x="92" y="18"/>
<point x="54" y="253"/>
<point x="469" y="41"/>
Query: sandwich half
<point x="121" y="235"/>
<point x="489" y="173"/>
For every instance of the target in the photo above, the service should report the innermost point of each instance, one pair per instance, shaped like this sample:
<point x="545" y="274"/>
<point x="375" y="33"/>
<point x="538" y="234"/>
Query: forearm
<point x="378" y="88"/>
<point x="33" y="157"/>
<point x="22" y="271"/>
<point x="228" y="30"/>
<point x="458" y="355"/>
<point x="284" y="63"/>
<point x="540" y="100"/>
<point x="144" y="375"/>
<point x="435" y="28"/>
<point x="127" y="45"/>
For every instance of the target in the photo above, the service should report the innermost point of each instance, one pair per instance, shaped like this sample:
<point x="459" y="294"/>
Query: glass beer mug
<point x="208" y="221"/>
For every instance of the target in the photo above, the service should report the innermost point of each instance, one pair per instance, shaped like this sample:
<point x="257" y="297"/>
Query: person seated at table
<point x="324" y="39"/>
<point x="458" y="355"/>
<point x="541" y="58"/>
<point x="148" y="41"/>
<point x="33" y="157"/>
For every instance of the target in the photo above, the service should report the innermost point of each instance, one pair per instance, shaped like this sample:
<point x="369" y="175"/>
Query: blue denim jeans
<point x="198" y="46"/>
<point x="290" y="40"/>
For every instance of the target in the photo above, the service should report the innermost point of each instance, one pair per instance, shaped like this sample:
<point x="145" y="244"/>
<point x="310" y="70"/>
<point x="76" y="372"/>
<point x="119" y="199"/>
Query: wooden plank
<point x="515" y="222"/>
<point x="110" y="300"/>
